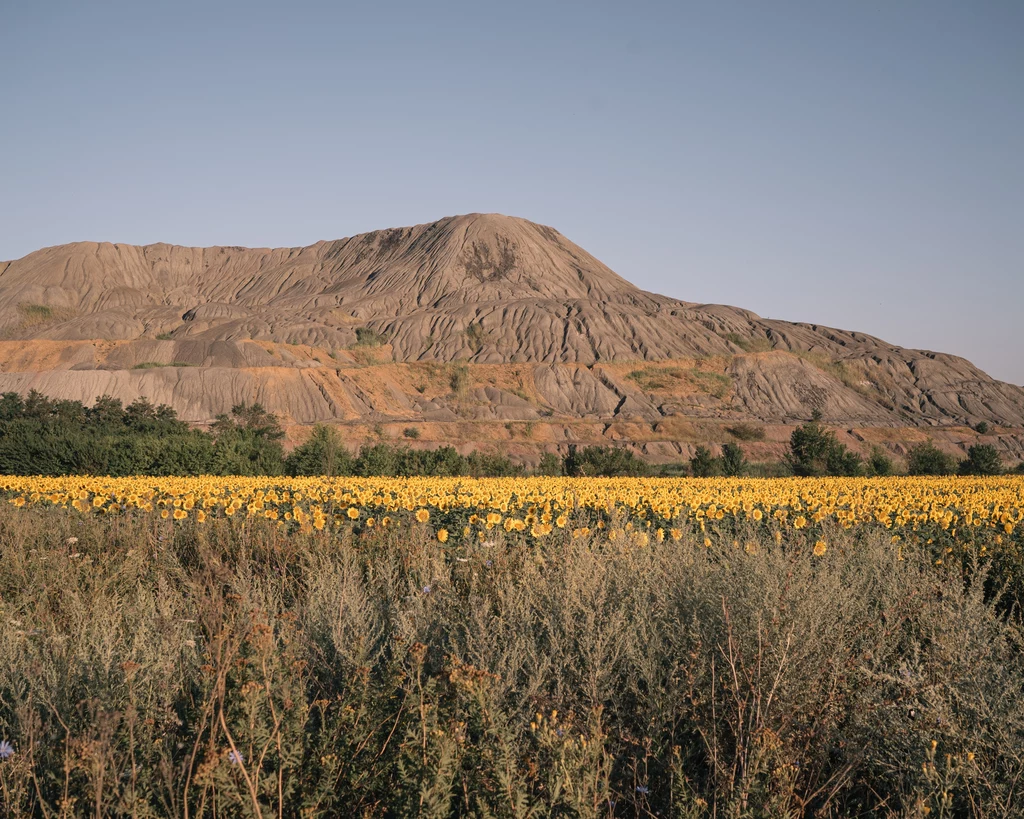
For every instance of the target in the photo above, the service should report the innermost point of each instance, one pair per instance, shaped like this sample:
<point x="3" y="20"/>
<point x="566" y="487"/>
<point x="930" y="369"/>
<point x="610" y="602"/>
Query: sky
<point x="853" y="164"/>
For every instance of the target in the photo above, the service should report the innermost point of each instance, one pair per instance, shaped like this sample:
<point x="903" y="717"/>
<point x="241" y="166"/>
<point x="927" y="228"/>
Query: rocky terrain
<point x="482" y="330"/>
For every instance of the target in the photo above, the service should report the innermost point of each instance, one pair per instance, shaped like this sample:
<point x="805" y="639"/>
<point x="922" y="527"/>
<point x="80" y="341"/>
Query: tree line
<point x="45" y="436"/>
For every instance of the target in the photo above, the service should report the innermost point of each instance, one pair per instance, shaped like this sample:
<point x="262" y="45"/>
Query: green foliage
<point x="981" y="427"/>
<point x="248" y="442"/>
<point x="323" y="453"/>
<point x="149" y="365"/>
<point x="716" y="384"/>
<point x="703" y="464"/>
<point x="157" y="669"/>
<point x="411" y="432"/>
<point x="815" y="451"/>
<point x="477" y="337"/>
<point x="481" y="465"/>
<point x="458" y="379"/>
<point x="550" y="465"/>
<point x="35" y="313"/>
<point x="744" y="431"/>
<point x="982" y="459"/>
<point x="879" y="463"/>
<point x="928" y="459"/>
<point x="42" y="436"/>
<point x="749" y="344"/>
<point x="368" y="337"/>
<point x="656" y="378"/>
<point x="603" y="461"/>
<point x="732" y="460"/>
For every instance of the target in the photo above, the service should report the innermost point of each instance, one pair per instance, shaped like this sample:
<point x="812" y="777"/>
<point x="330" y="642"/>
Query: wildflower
<point x="442" y="535"/>
<point x="426" y="589"/>
<point x="6" y="749"/>
<point x="235" y="757"/>
<point x="422" y="515"/>
<point x="820" y="548"/>
<point x="641" y="789"/>
<point x="352" y="513"/>
<point x="71" y="541"/>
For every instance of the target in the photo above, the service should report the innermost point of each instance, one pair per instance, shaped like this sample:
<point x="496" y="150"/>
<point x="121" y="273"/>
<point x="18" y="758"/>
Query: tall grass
<point x="150" y="669"/>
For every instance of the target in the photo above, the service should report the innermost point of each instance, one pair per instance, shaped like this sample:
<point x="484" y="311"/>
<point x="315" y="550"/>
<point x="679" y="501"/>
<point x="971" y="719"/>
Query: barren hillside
<point x="473" y="324"/>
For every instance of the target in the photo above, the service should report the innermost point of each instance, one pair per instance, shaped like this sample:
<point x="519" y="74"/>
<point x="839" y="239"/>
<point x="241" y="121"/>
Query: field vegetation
<point x="544" y="647"/>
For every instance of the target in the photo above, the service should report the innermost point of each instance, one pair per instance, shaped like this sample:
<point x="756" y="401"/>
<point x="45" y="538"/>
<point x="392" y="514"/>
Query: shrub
<point x="411" y="432"/>
<point x="703" y="464"/>
<point x="550" y="464"/>
<point x="928" y="459"/>
<point x="815" y="451"/>
<point x="602" y="461"/>
<point x="879" y="464"/>
<point x="982" y="459"/>
<point x="368" y="337"/>
<point x="732" y="460"/>
<point x="458" y="380"/>
<point x="480" y="465"/>
<point x="323" y="453"/>
<point x="371" y="674"/>
<point x="981" y="427"/>
<point x="746" y="432"/>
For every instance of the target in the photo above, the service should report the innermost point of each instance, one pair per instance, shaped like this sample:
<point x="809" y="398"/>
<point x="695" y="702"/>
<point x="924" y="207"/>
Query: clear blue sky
<point x="858" y="164"/>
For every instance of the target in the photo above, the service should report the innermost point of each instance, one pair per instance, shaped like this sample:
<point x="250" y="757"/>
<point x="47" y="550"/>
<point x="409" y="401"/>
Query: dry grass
<point x="148" y="669"/>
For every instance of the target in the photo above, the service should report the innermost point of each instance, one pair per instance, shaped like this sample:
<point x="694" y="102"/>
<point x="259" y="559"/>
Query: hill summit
<point x="546" y="332"/>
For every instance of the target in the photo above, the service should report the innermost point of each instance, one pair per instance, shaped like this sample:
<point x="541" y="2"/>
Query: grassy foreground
<point x="234" y="668"/>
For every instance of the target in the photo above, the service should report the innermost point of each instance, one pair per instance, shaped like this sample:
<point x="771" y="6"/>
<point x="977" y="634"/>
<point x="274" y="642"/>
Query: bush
<point x="41" y="436"/>
<point x="602" y="461"/>
<point x="459" y="379"/>
<point x="550" y="464"/>
<point x="368" y="673"/>
<point x="248" y="442"/>
<point x="815" y="451"/>
<point x="368" y="337"/>
<point x="411" y="432"/>
<point x="928" y="459"/>
<point x="879" y="463"/>
<point x="732" y="460"/>
<point x="981" y="427"/>
<point x="479" y="465"/>
<point x="746" y="432"/>
<point x="703" y="464"/>
<point x="982" y="459"/>
<point x="323" y="453"/>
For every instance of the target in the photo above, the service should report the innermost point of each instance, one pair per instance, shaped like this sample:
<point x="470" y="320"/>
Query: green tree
<point x="702" y="464"/>
<point x="879" y="464"/>
<point x="982" y="459"/>
<point x="928" y="459"/>
<point x="550" y="464"/>
<point x="248" y="442"/>
<point x="602" y="461"/>
<point x="815" y="451"/>
<point x="323" y="453"/>
<point x="732" y="460"/>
